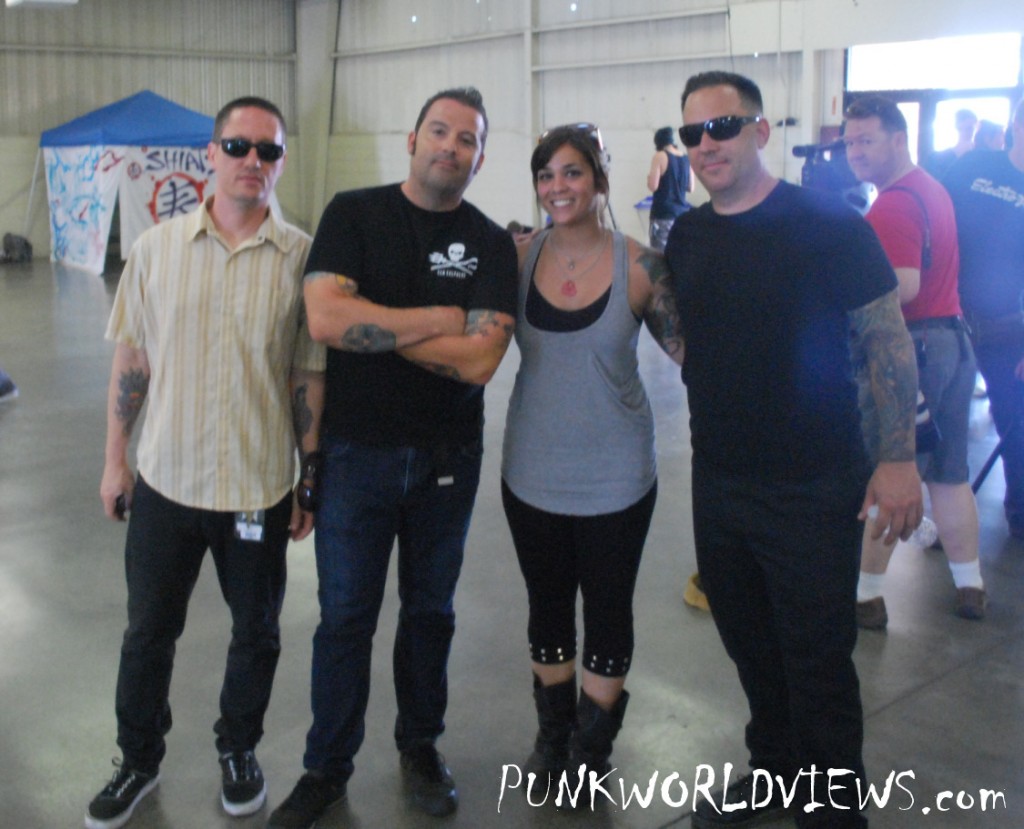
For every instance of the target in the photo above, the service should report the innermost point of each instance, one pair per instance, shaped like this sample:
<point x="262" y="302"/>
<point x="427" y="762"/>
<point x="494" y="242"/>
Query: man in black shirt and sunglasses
<point x="770" y="279"/>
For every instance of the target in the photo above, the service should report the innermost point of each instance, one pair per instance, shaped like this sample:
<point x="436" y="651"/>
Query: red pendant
<point x="568" y="288"/>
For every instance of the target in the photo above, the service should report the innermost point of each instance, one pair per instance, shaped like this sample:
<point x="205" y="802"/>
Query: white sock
<point x="967" y="574"/>
<point x="869" y="586"/>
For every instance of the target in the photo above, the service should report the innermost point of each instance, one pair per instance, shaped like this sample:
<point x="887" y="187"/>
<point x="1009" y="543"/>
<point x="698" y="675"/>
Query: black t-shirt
<point x="763" y="297"/>
<point x="988" y="196"/>
<point x="404" y="257"/>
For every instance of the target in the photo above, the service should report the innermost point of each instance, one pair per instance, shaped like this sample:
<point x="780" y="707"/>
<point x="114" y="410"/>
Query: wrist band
<point x="305" y="489"/>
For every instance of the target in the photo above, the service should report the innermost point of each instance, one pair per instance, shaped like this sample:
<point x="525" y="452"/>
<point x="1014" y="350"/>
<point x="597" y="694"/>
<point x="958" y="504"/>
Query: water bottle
<point x="924" y="536"/>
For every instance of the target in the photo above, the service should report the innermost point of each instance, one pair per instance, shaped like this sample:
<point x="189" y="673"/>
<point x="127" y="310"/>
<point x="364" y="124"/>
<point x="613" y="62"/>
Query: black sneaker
<point x="312" y="796"/>
<point x="243" y="789"/>
<point x="429" y="781"/>
<point x="709" y="814"/>
<point x="8" y="391"/>
<point x="114" y="805"/>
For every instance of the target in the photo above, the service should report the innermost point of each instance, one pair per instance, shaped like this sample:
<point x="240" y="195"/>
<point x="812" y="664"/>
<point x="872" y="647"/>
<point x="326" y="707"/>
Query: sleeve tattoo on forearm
<point x="132" y="387"/>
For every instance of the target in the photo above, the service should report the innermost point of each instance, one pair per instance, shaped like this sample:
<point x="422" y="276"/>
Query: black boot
<point x="596" y="729"/>
<point x="556" y="713"/>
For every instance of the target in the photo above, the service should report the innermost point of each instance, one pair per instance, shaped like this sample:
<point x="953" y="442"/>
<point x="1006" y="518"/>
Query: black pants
<point x="779" y="564"/>
<point x="998" y="361"/>
<point x="164" y="550"/>
<point x="596" y="555"/>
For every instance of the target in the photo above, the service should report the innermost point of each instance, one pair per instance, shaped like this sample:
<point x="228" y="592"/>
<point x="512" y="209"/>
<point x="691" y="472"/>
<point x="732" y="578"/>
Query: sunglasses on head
<point x="720" y="129"/>
<point x="265" y="150"/>
<point x="593" y="133"/>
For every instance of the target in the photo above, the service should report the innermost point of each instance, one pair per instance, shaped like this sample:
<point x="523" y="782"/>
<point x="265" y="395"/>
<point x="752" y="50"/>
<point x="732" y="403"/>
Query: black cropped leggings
<point x="597" y="555"/>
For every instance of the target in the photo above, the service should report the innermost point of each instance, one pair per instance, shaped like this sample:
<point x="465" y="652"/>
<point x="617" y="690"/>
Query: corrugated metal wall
<point x="61" y="62"/>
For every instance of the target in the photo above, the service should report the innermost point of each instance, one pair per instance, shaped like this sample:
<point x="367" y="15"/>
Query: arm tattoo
<point x="368" y="339"/>
<point x="661" y="314"/>
<point x="892" y="372"/>
<point x="302" y="415"/>
<point x="132" y="388"/>
<point x="654" y="266"/>
<point x="486" y="323"/>
<point x="345" y="285"/>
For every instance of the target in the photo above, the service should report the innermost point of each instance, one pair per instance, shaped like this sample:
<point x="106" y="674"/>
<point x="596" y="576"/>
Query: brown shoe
<point x="970" y="603"/>
<point x="693" y="594"/>
<point x="871" y="615"/>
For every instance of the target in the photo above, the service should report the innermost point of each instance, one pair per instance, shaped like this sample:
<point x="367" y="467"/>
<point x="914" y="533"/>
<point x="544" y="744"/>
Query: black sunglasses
<point x="720" y="129"/>
<point x="265" y="150"/>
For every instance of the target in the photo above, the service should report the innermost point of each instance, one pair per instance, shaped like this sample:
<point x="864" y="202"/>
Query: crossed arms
<point x="461" y="345"/>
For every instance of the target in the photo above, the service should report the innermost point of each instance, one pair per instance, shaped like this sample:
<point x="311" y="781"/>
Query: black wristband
<point x="305" y="489"/>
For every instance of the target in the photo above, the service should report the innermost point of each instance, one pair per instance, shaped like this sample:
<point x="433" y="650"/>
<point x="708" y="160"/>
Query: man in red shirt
<point x="913" y="217"/>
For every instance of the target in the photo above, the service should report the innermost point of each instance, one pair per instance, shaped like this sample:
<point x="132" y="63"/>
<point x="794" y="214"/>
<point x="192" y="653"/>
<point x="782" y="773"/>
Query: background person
<point x="913" y="217"/>
<point x="987" y="189"/>
<point x="414" y="290"/>
<point x="989" y="136"/>
<point x="669" y="180"/>
<point x="939" y="162"/>
<point x="579" y="481"/>
<point x="209" y="326"/>
<point x="770" y="279"/>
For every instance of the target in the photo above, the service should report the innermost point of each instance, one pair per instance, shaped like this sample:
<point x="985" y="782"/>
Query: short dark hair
<point x="585" y="141"/>
<point x="965" y="116"/>
<point x="240" y="103"/>
<point x="748" y="91"/>
<point x="878" y="105"/>
<point x="468" y="95"/>
<point x="664" y="137"/>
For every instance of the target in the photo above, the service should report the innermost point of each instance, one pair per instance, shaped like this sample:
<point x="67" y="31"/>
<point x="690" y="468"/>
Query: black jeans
<point x="998" y="364"/>
<point x="164" y="550"/>
<point x="779" y="563"/>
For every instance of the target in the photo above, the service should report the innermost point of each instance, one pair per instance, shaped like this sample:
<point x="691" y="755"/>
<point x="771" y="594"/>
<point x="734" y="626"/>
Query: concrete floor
<point x="943" y="697"/>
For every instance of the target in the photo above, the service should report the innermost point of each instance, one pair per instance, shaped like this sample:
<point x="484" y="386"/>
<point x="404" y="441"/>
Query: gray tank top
<point x="579" y="434"/>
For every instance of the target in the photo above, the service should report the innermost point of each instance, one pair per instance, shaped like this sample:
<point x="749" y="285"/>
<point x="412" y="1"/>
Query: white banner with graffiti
<point x="159" y="183"/>
<point x="152" y="184"/>
<point x="81" y="184"/>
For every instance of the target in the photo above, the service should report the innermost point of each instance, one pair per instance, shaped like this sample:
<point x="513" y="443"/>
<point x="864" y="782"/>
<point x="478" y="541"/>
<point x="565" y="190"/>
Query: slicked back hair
<point x="748" y="91"/>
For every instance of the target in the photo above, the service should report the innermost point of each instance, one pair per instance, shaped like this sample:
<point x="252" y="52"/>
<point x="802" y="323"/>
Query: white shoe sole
<point x="247" y="808"/>
<point x="119" y="821"/>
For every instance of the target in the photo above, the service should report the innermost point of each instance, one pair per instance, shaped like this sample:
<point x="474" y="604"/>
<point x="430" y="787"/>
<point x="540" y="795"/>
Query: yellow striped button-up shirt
<point x="222" y="330"/>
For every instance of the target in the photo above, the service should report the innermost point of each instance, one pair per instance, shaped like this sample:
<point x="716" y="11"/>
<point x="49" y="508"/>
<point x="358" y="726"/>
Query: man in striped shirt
<point x="209" y="327"/>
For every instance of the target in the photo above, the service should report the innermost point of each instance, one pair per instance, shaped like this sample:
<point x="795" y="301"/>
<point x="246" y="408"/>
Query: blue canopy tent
<point x="146" y="151"/>
<point x="143" y="119"/>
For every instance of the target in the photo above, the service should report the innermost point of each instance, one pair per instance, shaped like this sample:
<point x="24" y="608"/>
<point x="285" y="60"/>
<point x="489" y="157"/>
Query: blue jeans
<point x="369" y="497"/>
<point x="164" y="550"/>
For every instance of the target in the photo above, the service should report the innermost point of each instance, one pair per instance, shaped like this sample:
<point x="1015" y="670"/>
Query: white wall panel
<point x="398" y="23"/>
<point x="384" y="92"/>
<point x="59" y="63"/>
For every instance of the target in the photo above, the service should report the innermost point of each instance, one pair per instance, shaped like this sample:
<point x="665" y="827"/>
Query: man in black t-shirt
<point x="414" y="290"/>
<point x="770" y="280"/>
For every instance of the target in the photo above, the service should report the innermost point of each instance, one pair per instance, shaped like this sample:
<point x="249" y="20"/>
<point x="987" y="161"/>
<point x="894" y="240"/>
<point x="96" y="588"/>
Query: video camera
<point x="825" y="168"/>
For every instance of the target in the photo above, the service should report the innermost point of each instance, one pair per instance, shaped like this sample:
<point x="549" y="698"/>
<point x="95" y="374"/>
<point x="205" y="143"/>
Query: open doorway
<point x="932" y="80"/>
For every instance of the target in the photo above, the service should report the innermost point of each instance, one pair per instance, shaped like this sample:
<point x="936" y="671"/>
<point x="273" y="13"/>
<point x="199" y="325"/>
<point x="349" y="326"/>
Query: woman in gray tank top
<point x="578" y="471"/>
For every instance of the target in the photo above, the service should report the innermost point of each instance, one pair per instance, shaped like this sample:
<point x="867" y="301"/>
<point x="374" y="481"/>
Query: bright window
<point x="970" y="62"/>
